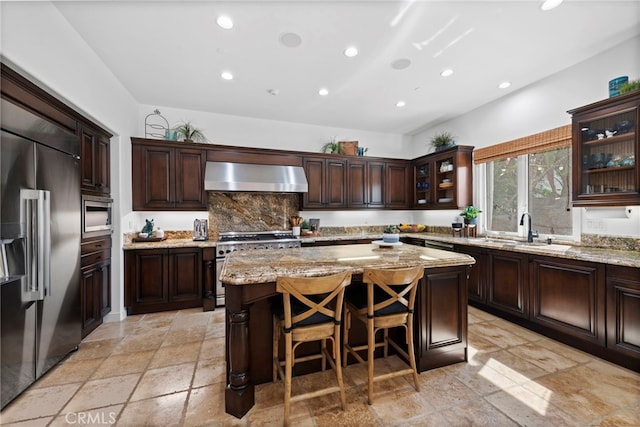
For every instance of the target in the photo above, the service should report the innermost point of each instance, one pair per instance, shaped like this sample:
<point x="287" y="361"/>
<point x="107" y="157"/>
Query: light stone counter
<point x="260" y="266"/>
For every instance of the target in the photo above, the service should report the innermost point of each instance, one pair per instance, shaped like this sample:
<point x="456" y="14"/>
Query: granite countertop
<point x="628" y="258"/>
<point x="260" y="266"/>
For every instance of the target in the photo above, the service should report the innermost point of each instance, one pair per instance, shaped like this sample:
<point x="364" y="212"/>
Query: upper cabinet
<point x="95" y="163"/>
<point x="444" y="179"/>
<point x="167" y="176"/>
<point x="348" y="182"/>
<point x="605" y="151"/>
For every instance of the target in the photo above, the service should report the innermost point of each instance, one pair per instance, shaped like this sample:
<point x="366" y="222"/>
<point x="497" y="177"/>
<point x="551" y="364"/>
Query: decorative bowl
<point x="624" y="126"/>
<point x="391" y="237"/>
<point x="411" y="228"/>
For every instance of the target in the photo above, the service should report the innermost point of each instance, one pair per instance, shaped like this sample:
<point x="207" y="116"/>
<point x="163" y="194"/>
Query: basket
<point x="412" y="228"/>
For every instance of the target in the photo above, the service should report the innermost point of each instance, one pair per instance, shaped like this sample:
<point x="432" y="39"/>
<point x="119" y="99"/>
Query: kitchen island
<point x="249" y="278"/>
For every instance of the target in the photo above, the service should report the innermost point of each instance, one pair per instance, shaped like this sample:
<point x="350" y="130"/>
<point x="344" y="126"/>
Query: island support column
<point x="239" y="396"/>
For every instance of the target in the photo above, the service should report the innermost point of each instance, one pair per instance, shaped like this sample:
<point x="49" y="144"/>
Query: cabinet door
<point x="606" y="146"/>
<point x="105" y="288"/>
<point x="442" y="316"/>
<point x="623" y="311"/>
<point x="478" y="275"/>
<point x="156" y="178"/>
<point x="507" y="282"/>
<point x="335" y="191"/>
<point x="103" y="165"/>
<point x="88" y="159"/>
<point x="568" y="296"/>
<point x="189" y="179"/>
<point x="357" y="178"/>
<point x="149" y="279"/>
<point x="376" y="175"/>
<point x="90" y="300"/>
<point x="185" y="278"/>
<point x="397" y="185"/>
<point x="422" y="185"/>
<point x="315" y="170"/>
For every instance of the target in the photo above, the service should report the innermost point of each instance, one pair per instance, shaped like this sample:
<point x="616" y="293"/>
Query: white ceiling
<point x="171" y="53"/>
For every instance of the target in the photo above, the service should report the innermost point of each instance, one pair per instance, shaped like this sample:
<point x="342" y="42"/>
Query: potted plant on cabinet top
<point x="470" y="214"/>
<point x="443" y="140"/>
<point x="332" y="147"/>
<point x="188" y="133"/>
<point x="391" y="234"/>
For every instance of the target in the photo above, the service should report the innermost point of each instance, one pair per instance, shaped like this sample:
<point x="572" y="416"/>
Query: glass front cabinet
<point x="605" y="152"/>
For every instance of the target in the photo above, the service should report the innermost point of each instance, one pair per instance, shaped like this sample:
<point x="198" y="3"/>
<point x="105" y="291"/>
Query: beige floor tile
<point x="163" y="411"/>
<point x="566" y="351"/>
<point x="38" y="402"/>
<point x="140" y="342"/>
<point x="103" y="392"/>
<point x="517" y="369"/>
<point x="162" y="315"/>
<point x="215" y="330"/>
<point x="167" y="380"/>
<point x="480" y="378"/>
<point x="39" y="422"/>
<point x="477" y="413"/>
<point x="70" y="371"/>
<point x="210" y="371"/>
<point x="206" y="406"/>
<point x="107" y="331"/>
<point x="541" y="356"/>
<point x="122" y="364"/>
<point x="426" y="420"/>
<point x="444" y="391"/>
<point x="212" y="348"/>
<point x="185" y="335"/>
<point x="176" y="354"/>
<point x="496" y="335"/>
<point x="480" y="344"/>
<point x="518" y="330"/>
<point x="627" y="417"/>
<point x="528" y="409"/>
<point x="100" y="417"/>
<point x="328" y="412"/>
<point x="94" y="349"/>
<point x="401" y="406"/>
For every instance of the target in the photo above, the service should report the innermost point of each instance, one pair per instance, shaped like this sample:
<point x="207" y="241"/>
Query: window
<point x="537" y="183"/>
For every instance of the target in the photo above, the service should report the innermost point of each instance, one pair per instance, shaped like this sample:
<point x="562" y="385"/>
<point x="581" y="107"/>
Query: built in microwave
<point x="96" y="216"/>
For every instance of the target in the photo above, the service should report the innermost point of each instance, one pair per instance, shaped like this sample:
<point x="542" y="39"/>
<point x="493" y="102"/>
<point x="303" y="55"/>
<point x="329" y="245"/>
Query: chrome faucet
<point x="530" y="234"/>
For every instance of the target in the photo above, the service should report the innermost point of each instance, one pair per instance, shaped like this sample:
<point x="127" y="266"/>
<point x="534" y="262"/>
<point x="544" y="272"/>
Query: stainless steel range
<point x="240" y="241"/>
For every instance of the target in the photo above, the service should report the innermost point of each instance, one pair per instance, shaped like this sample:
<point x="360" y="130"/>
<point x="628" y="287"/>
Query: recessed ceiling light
<point x="225" y="22"/>
<point x="400" y="64"/>
<point x="323" y="91"/>
<point x="504" y="85"/>
<point x="400" y="104"/>
<point x="351" y="51"/>
<point x="447" y="72"/>
<point x="226" y="75"/>
<point x="291" y="39"/>
<point x="550" y="4"/>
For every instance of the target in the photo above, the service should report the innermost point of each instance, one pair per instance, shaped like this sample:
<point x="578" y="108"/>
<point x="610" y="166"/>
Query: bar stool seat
<point x="310" y="310"/>
<point x="388" y="302"/>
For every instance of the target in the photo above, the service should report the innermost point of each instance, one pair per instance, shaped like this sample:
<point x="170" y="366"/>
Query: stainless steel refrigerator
<point x="40" y="247"/>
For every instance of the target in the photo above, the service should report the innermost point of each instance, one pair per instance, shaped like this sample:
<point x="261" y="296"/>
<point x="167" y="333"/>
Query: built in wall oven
<point x="96" y="216"/>
<point x="239" y="241"/>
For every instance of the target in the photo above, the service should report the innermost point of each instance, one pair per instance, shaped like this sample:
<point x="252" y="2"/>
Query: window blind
<point x="548" y="140"/>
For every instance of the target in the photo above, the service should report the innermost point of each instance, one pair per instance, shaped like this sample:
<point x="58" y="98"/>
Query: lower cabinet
<point x="162" y="279"/>
<point x="477" y="282"/>
<point x="507" y="282"/>
<point x="568" y="296"/>
<point x="95" y="285"/>
<point x="442" y="317"/>
<point x="623" y="311"/>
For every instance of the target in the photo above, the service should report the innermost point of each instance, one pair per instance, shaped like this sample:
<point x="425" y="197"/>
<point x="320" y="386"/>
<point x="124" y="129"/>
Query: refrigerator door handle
<point x="35" y="213"/>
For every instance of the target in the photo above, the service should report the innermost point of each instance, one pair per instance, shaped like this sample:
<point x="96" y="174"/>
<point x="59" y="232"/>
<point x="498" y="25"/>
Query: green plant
<point x="391" y="229"/>
<point x="442" y="139"/>
<point x="304" y="225"/>
<point x="332" y="147"/>
<point x="630" y="86"/>
<point x="187" y="132"/>
<point x="470" y="212"/>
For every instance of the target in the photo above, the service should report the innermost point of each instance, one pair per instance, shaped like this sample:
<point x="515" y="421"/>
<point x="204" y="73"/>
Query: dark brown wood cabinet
<point x="444" y="179"/>
<point x="95" y="285"/>
<point x="477" y="283"/>
<point x="399" y="176"/>
<point x="605" y="149"/>
<point x="327" y="179"/>
<point x="623" y="312"/>
<point x="568" y="296"/>
<point x="507" y="282"/>
<point x="95" y="167"/>
<point x="167" y="176"/>
<point x="163" y="279"/>
<point x="442" y="317"/>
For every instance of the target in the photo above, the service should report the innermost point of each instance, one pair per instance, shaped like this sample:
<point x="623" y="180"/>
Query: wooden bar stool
<point x="387" y="303"/>
<point x="311" y="310"/>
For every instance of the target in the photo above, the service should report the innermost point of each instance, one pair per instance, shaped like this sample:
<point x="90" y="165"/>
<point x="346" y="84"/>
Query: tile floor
<point x="167" y="369"/>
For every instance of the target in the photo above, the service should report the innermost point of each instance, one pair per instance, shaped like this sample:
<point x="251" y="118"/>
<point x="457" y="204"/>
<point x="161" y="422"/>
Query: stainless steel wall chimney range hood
<point x="225" y="176"/>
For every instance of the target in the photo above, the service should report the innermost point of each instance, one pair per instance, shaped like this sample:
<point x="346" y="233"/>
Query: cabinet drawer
<point x="95" y="257"/>
<point x="95" y="245"/>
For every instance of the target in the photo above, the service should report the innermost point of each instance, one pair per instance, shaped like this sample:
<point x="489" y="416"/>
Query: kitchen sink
<point x="545" y="246"/>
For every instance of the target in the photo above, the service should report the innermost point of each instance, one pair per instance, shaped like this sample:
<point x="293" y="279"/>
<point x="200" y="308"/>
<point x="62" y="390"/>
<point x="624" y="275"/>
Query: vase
<point x="391" y="237"/>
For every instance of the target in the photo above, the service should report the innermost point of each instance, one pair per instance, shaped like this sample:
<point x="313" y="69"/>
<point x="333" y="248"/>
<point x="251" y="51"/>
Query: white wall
<point x="539" y="107"/>
<point x="38" y="41"/>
